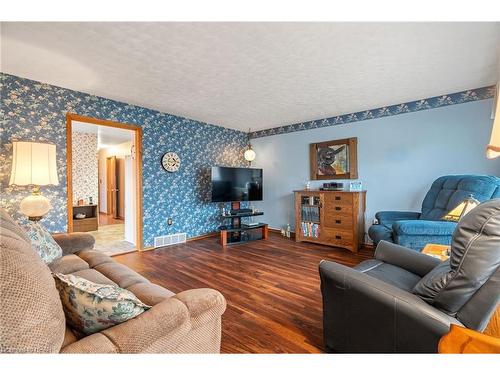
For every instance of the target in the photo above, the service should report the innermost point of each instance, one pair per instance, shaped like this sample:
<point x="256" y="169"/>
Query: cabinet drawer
<point x="333" y="208"/>
<point x="337" y="236"/>
<point x="339" y="199"/>
<point x="334" y="220"/>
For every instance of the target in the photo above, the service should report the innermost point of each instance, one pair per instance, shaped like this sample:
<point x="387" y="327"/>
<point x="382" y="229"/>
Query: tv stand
<point x="241" y="233"/>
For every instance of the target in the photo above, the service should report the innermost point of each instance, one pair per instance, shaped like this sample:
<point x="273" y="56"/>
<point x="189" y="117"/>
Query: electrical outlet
<point x="170" y="221"/>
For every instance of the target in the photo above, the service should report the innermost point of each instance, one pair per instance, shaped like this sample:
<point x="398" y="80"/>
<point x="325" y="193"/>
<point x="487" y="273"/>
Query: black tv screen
<point x="236" y="184"/>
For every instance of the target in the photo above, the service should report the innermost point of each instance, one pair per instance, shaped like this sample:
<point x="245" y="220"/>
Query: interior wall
<point x="84" y="167"/>
<point x="34" y="111"/>
<point x="103" y="198"/>
<point x="398" y="157"/>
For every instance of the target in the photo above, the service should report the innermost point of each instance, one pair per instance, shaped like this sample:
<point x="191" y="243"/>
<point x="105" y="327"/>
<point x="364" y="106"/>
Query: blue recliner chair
<point x="416" y="229"/>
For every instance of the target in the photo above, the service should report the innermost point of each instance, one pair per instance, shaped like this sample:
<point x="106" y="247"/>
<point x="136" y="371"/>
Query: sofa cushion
<point x="94" y="258"/>
<point x="68" y="264"/>
<point x="74" y="242"/>
<point x="389" y="273"/>
<point x="32" y="317"/>
<point x="475" y="257"/>
<point x="120" y="274"/>
<point x="94" y="276"/>
<point x="42" y="242"/>
<point x="91" y="307"/>
<point x="150" y="294"/>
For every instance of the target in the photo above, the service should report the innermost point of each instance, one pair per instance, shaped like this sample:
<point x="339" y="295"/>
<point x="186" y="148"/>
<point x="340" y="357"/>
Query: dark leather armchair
<point x="404" y="301"/>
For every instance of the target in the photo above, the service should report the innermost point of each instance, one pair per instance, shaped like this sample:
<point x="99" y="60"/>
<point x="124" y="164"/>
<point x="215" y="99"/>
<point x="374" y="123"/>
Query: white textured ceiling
<point x="255" y="75"/>
<point x="106" y="135"/>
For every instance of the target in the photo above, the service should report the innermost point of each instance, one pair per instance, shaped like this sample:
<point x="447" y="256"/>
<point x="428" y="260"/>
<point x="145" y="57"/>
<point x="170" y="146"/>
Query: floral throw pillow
<point x="91" y="307"/>
<point x="42" y="242"/>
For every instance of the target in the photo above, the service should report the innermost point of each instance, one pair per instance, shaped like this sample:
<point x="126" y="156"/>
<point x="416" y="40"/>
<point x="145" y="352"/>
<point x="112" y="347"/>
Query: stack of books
<point x="310" y="213"/>
<point x="310" y="229"/>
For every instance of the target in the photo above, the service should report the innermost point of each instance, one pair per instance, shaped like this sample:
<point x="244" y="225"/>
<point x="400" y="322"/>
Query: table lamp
<point x="34" y="164"/>
<point x="462" y="209"/>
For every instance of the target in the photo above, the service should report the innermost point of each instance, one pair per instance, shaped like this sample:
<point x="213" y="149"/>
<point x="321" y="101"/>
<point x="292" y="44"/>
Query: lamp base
<point x="35" y="206"/>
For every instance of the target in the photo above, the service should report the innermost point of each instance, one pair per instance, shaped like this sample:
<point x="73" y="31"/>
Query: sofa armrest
<point x="364" y="314"/>
<point x="96" y="343"/>
<point x="408" y="259"/>
<point x="161" y="328"/>
<point x="74" y="242"/>
<point x="388" y="217"/>
<point x="424" y="227"/>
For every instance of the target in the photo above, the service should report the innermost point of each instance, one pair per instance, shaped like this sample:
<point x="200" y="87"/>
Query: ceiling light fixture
<point x="249" y="152"/>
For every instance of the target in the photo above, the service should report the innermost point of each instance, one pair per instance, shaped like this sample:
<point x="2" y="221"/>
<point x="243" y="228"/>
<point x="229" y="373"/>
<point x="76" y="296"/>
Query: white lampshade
<point x="493" y="148"/>
<point x="249" y="155"/>
<point x="33" y="164"/>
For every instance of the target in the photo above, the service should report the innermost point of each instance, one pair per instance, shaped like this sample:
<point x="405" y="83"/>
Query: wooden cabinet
<point x="89" y="223"/>
<point x="335" y="218"/>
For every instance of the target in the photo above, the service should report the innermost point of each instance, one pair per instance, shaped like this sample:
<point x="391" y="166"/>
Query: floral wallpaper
<point x="397" y="109"/>
<point x="36" y="111"/>
<point x="85" y="168"/>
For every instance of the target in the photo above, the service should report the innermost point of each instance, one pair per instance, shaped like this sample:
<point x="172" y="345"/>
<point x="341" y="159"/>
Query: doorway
<point x="104" y="182"/>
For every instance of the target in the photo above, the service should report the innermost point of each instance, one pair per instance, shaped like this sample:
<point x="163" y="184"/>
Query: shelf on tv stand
<point x="243" y="227"/>
<point x="243" y="233"/>
<point x="238" y="232"/>
<point x="243" y="214"/>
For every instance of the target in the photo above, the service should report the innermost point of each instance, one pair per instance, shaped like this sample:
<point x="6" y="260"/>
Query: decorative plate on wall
<point x="171" y="162"/>
<point x="336" y="159"/>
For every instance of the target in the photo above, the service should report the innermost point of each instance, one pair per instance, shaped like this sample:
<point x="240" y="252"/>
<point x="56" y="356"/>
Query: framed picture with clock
<point x="171" y="162"/>
<point x="337" y="159"/>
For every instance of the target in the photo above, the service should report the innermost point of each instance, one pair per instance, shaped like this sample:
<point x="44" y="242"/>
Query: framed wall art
<point x="334" y="160"/>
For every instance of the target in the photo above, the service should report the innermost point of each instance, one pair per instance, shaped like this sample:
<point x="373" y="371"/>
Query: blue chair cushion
<point x="448" y="191"/>
<point x="424" y="227"/>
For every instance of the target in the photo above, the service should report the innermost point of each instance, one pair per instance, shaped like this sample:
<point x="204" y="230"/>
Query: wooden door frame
<point x="138" y="167"/>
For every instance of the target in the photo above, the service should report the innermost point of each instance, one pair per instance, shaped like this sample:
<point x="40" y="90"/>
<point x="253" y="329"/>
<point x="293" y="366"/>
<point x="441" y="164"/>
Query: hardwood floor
<point x="271" y="287"/>
<point x="105" y="219"/>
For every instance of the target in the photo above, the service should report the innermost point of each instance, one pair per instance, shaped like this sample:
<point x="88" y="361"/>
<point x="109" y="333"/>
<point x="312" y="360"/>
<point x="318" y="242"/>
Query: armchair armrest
<point x="158" y="330"/>
<point x="400" y="256"/>
<point x="388" y="217"/>
<point x="366" y="315"/>
<point x="74" y="242"/>
<point x="424" y="227"/>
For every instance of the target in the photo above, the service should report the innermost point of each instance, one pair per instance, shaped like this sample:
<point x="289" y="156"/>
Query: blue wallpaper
<point x="35" y="111"/>
<point x="397" y="109"/>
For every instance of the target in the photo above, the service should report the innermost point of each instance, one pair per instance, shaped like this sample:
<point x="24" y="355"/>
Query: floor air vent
<point x="171" y="239"/>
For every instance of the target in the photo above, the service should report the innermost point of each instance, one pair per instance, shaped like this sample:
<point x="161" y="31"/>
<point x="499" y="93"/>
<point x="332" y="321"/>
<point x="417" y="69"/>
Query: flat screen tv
<point x="236" y="184"/>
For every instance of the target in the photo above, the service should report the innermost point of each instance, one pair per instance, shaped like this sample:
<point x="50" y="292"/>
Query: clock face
<point x="171" y="162"/>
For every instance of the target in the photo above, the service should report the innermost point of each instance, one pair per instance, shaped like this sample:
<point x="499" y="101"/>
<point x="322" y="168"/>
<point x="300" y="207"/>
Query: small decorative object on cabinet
<point x="336" y="159"/>
<point x="335" y="218"/>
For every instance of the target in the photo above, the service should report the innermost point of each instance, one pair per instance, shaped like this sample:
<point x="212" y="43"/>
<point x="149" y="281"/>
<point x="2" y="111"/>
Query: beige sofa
<point x="32" y="318"/>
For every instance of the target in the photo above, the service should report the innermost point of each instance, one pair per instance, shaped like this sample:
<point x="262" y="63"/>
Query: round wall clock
<point x="171" y="162"/>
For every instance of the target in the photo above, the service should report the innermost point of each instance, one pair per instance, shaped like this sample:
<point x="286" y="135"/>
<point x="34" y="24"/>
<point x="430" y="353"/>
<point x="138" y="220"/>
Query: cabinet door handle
<point x="338" y="221"/>
<point x="337" y="237"/>
<point x="338" y="208"/>
<point x="337" y="198"/>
